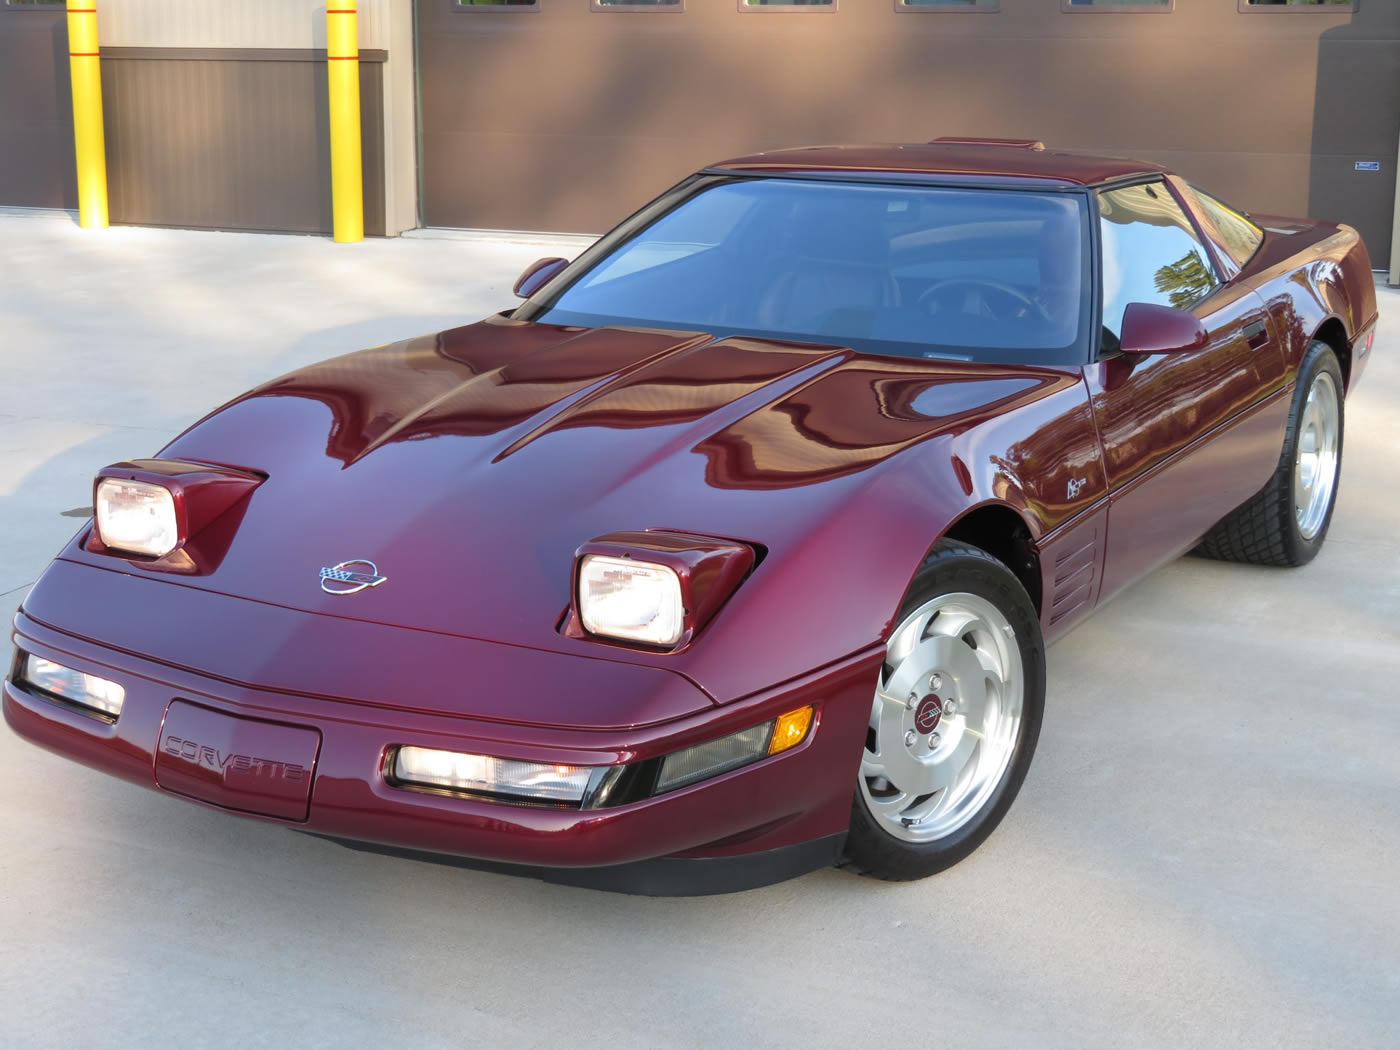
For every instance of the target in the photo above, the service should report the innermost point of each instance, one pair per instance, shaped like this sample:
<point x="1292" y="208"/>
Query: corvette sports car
<point x="734" y="551"/>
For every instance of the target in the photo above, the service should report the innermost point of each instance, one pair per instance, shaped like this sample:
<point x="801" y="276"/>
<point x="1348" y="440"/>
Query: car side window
<point x="1238" y="236"/>
<point x="1151" y="254"/>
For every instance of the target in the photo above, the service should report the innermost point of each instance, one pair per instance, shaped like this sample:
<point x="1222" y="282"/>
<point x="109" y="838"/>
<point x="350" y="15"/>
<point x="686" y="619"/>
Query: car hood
<point x="470" y="465"/>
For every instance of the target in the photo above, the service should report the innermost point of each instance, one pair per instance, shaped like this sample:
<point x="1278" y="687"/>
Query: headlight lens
<point x="137" y="517"/>
<point x="482" y="774"/>
<point x="634" y="600"/>
<point x="85" y="689"/>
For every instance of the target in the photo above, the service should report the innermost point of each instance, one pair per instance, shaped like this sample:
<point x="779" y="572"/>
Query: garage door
<point x="566" y="115"/>
<point x="36" y="110"/>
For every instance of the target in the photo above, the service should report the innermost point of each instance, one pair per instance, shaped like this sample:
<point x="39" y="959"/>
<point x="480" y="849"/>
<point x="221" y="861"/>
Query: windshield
<point x="976" y="274"/>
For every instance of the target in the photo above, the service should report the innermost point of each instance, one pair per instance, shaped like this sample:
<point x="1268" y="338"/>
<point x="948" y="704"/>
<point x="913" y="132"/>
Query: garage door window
<point x="1121" y="6"/>
<point x="1333" y="6"/>
<point x="947" y="5"/>
<point x="638" y="5"/>
<point x="787" y="5"/>
<point x="1151" y="254"/>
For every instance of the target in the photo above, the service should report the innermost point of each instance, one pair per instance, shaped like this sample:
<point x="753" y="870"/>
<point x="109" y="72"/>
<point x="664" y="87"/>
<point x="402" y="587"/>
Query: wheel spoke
<point x="944" y="774"/>
<point x="990" y="664"/>
<point x="954" y="622"/>
<point x="892" y="700"/>
<point x="973" y="698"/>
<point x="901" y="768"/>
<point x="891" y="805"/>
<point x="871" y="766"/>
<point x="906" y="637"/>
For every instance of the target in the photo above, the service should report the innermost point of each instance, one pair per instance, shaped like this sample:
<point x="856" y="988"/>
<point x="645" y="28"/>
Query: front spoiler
<point x="662" y="877"/>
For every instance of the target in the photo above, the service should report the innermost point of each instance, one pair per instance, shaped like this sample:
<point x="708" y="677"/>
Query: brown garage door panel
<point x="230" y="143"/>
<point x="36" y="165"/>
<point x="36" y="124"/>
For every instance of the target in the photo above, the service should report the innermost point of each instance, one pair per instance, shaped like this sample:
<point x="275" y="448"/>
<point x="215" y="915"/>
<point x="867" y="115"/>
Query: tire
<point x="1286" y="523"/>
<point x="966" y="653"/>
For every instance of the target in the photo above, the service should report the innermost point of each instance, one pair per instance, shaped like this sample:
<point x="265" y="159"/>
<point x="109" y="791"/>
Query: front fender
<point x="834" y="587"/>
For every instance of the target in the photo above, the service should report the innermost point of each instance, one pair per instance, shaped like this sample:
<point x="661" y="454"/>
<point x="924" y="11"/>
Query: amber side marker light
<point x="790" y="730"/>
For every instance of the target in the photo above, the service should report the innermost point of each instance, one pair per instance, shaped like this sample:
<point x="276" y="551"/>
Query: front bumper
<point x="798" y="800"/>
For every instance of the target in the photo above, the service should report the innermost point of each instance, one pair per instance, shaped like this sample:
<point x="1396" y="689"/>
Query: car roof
<point x="962" y="158"/>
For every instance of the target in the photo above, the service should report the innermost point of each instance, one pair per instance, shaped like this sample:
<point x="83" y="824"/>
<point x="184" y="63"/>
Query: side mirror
<point x="537" y="275"/>
<point x="1152" y="329"/>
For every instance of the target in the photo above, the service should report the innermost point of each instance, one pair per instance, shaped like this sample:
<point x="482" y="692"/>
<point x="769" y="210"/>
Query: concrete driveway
<point x="1206" y="852"/>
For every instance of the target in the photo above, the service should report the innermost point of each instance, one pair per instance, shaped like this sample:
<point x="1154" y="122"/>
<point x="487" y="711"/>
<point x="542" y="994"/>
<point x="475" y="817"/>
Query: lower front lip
<point x="799" y="795"/>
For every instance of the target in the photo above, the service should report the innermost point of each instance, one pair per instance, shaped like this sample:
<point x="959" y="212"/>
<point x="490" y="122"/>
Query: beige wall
<point x="233" y="23"/>
<point x="395" y="24"/>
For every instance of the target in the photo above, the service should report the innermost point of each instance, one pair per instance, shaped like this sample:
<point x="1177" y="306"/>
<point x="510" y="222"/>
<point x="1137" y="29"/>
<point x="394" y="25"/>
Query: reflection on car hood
<point x="470" y="465"/>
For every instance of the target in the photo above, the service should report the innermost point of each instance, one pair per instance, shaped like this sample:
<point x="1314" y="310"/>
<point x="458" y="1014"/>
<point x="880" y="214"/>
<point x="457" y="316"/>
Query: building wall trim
<point x="234" y="54"/>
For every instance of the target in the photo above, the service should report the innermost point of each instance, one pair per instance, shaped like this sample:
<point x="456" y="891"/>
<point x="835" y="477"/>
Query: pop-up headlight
<point x="137" y="517"/>
<point x="155" y="508"/>
<point x="635" y="600"/>
<point x="654" y="588"/>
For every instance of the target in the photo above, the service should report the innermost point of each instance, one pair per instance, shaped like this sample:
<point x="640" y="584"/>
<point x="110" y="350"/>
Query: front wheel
<point x="954" y="720"/>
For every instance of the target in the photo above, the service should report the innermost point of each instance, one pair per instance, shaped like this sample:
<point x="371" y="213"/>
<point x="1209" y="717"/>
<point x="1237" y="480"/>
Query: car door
<point x="1187" y="436"/>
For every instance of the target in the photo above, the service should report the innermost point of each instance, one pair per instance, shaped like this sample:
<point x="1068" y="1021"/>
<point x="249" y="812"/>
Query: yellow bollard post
<point x="89" y="143"/>
<point x="343" y="62"/>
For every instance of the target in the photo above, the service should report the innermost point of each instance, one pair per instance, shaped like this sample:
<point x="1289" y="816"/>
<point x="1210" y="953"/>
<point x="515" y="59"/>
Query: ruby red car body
<point x="471" y="466"/>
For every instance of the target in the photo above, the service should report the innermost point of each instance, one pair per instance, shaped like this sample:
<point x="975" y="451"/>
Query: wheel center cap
<point x="928" y="714"/>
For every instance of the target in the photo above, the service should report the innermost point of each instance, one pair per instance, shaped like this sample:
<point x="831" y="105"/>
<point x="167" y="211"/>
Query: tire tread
<point x="1262" y="531"/>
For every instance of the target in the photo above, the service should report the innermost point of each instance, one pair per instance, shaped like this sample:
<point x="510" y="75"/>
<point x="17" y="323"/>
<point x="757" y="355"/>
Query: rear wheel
<point x="954" y="720"/>
<point x="1286" y="523"/>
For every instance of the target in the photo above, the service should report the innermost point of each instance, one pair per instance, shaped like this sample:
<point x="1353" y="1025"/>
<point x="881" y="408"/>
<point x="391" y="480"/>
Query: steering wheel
<point x="1014" y="303"/>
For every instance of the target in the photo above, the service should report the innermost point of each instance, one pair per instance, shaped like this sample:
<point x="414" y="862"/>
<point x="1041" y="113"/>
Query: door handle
<point x="1256" y="334"/>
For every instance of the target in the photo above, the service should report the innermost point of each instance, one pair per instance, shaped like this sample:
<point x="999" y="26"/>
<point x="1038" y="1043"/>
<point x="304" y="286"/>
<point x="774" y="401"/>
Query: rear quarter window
<point x="1235" y="234"/>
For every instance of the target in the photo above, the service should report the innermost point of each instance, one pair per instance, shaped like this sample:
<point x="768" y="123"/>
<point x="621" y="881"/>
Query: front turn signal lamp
<point x="97" y="695"/>
<point x="710" y="759"/>
<point x="790" y="730"/>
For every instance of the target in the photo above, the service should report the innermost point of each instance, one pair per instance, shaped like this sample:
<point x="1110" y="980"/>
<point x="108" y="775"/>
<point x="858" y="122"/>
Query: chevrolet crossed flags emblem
<point x="351" y="577"/>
